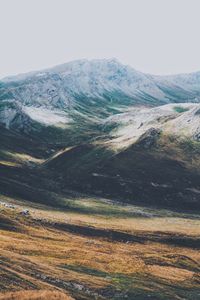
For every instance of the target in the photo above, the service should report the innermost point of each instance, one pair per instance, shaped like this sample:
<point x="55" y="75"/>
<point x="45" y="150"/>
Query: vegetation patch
<point x="180" y="109"/>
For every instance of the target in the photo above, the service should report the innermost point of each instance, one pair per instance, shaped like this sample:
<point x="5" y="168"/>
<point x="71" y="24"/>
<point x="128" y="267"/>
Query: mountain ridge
<point x="62" y="65"/>
<point x="88" y="89"/>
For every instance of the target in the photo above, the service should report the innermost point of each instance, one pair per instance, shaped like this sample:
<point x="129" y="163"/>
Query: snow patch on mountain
<point x="46" y="116"/>
<point x="182" y="120"/>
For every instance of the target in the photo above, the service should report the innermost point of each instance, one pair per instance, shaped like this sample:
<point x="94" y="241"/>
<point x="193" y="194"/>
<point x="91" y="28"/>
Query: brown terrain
<point x="128" y="253"/>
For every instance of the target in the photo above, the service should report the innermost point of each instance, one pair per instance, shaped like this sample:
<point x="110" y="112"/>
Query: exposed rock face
<point x="149" y="138"/>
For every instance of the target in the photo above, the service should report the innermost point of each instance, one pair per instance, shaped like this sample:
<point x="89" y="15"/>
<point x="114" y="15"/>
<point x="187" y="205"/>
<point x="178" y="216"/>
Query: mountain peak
<point x="106" y="84"/>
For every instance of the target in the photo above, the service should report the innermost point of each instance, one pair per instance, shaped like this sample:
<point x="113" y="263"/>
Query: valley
<point x="99" y="184"/>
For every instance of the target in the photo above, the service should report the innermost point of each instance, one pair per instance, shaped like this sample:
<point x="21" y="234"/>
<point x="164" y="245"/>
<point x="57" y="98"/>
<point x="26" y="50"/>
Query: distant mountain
<point x="87" y="89"/>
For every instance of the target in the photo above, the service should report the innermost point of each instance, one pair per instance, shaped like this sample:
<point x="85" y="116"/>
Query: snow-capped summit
<point x="96" y="87"/>
<point x="94" y="79"/>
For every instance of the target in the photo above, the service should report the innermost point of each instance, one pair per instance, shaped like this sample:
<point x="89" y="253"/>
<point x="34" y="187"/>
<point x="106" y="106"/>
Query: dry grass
<point x="9" y="163"/>
<point x="35" y="295"/>
<point x="43" y="254"/>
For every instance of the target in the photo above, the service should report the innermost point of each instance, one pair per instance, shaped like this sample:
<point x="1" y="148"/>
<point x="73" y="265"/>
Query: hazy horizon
<point x="155" y="37"/>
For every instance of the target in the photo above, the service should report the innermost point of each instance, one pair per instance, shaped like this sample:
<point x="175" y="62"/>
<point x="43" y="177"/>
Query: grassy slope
<point x="114" y="255"/>
<point x="163" y="173"/>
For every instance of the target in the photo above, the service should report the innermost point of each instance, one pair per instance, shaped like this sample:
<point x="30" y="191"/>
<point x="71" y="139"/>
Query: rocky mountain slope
<point x="87" y="90"/>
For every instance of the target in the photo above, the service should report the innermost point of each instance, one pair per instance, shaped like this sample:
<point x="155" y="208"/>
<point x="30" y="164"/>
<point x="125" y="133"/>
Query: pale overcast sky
<point x="153" y="36"/>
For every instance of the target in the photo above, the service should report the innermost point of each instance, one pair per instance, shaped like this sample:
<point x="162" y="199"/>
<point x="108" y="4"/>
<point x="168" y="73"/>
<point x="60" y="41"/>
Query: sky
<point x="153" y="36"/>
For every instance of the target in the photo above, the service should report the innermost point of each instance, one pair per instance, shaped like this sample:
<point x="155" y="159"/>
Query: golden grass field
<point x="35" y="295"/>
<point x="104" y="251"/>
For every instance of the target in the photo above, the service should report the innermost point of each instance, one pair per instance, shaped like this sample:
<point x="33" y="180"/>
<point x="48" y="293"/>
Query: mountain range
<point x="101" y="127"/>
<point x="104" y="84"/>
